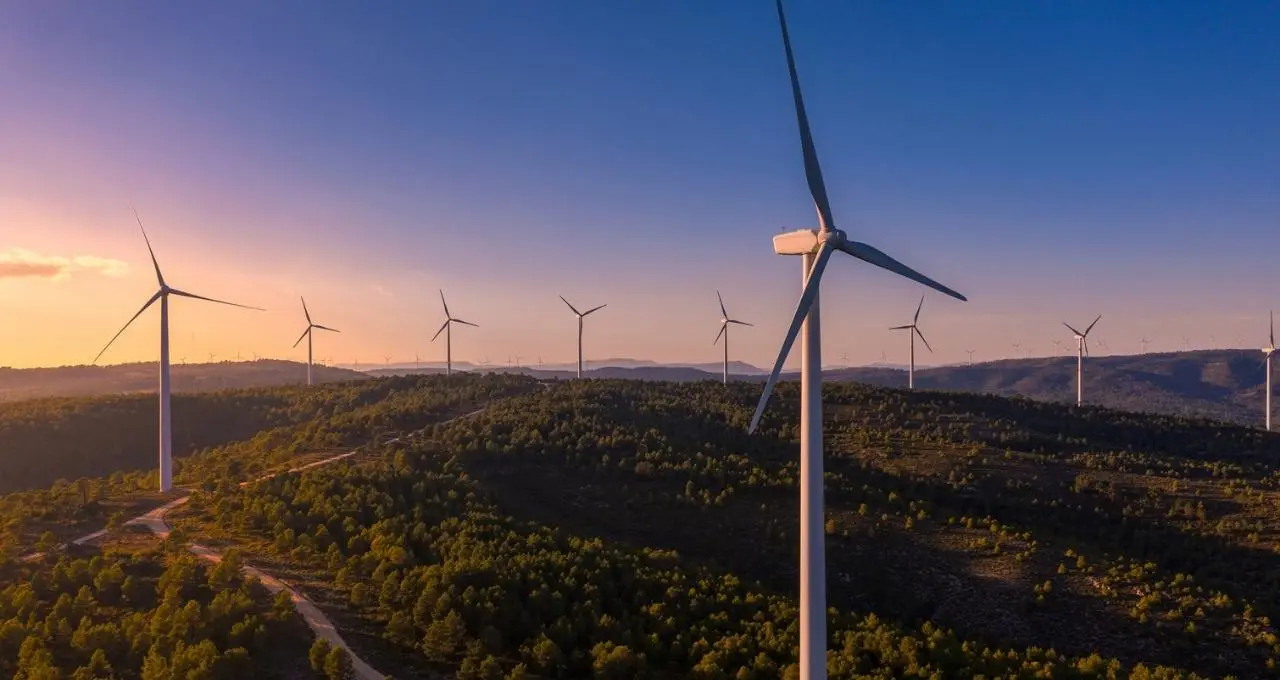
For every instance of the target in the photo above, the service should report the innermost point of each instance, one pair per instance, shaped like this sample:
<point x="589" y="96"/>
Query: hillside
<point x="636" y="526"/>
<point x="76" y="381"/>
<point x="1222" y="384"/>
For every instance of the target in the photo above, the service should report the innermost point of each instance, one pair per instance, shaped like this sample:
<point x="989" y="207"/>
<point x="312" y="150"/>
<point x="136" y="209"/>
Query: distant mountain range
<point x="1221" y="384"/>
<point x="73" y="381"/>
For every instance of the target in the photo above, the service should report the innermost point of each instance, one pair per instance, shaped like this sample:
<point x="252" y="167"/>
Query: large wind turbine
<point x="815" y="248"/>
<point x="1082" y="351"/>
<point x="913" y="329"/>
<point x="447" y="329"/>
<point x="307" y="334"/>
<point x="1268" y="351"/>
<point x="581" y="316"/>
<point x="166" y="423"/>
<point x="724" y="331"/>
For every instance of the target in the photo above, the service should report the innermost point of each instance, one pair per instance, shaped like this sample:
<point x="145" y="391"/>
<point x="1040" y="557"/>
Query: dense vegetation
<point x="620" y="529"/>
<point x="235" y="435"/>
<point x="143" y="614"/>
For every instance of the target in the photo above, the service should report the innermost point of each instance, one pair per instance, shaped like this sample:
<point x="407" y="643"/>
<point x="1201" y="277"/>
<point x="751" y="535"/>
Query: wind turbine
<point x="447" y="329"/>
<point x="1082" y="351"/>
<point x="724" y="331"/>
<point x="913" y="329"/>
<point x="970" y="356"/>
<point x="1144" y="342"/>
<point x="1017" y="347"/>
<point x="1267" y="352"/>
<point x="166" y="422"/>
<point x="311" y="325"/>
<point x="815" y="248"/>
<point x="581" y="316"/>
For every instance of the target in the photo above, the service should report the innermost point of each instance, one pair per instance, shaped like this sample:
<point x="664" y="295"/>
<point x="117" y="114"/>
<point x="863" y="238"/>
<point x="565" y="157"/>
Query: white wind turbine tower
<point x="815" y="247"/>
<point x="447" y="329"/>
<point x="1082" y="351"/>
<point x="1268" y="351"/>
<point x="311" y="325"/>
<point x="581" y="316"/>
<point x="913" y="329"/>
<point x="724" y="331"/>
<point x="166" y="421"/>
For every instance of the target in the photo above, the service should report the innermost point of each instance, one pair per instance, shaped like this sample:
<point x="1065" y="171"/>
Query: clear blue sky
<point x="1051" y="160"/>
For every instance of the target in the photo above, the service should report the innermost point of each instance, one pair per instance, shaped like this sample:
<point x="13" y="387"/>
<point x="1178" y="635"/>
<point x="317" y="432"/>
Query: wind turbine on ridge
<point x="724" y="331"/>
<point x="913" y="329"/>
<point x="581" y="316"/>
<point x="1082" y="351"/>
<point x="1268" y="351"/>
<point x="815" y="246"/>
<point x="447" y="329"/>
<point x="311" y="325"/>
<point x="166" y="415"/>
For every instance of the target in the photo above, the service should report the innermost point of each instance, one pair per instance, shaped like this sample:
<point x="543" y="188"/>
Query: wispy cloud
<point x="18" y="263"/>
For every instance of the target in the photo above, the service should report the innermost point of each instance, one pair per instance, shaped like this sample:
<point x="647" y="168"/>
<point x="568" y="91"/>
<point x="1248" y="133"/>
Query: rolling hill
<point x="78" y="381"/>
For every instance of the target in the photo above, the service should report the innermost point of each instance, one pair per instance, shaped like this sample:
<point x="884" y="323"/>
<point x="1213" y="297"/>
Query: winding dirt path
<point x="311" y="614"/>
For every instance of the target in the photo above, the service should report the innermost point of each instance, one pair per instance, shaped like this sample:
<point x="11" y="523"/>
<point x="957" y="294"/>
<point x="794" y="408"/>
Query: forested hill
<point x="44" y="440"/>
<point x="628" y="529"/>
<point x="1221" y="384"/>
<point x="73" y="381"/>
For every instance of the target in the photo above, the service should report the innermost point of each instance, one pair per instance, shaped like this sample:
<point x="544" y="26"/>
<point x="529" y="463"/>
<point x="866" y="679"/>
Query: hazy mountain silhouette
<point x="1223" y="384"/>
<point x="71" y="381"/>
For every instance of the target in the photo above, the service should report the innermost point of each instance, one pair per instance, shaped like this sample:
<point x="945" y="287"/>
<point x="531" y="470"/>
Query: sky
<point x="1051" y="160"/>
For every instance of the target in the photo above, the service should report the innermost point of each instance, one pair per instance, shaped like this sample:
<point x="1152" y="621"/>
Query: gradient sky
<point x="1051" y="160"/>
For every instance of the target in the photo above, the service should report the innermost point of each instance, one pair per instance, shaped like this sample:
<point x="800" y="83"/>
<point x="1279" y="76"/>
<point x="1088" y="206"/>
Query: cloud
<point x="17" y="263"/>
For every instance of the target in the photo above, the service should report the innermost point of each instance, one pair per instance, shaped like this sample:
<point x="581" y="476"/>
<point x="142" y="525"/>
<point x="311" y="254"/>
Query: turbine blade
<point x="900" y="328"/>
<point x="1085" y="342"/>
<point x="740" y="323"/>
<point x="802" y="310"/>
<point x="593" y="309"/>
<point x="1072" y="329"/>
<point x="1095" y="323"/>
<point x="442" y="327"/>
<point x="920" y="306"/>
<point x="465" y="323"/>
<point x="723" y="327"/>
<point x="926" y="342"/>
<point x="325" y="328"/>
<point x="183" y="293"/>
<point x="722" y="312"/>
<point x="575" y="309"/>
<point x="159" y="276"/>
<point x="874" y="256"/>
<point x="304" y="309"/>
<point x="126" y="326"/>
<point x="1273" y="329"/>
<point x="812" y="170"/>
<point x="303" y="336"/>
<point x="447" y="315"/>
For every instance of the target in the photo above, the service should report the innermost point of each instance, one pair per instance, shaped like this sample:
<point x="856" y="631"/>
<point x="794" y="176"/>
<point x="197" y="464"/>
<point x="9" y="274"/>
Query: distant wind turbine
<point x="815" y="248"/>
<point x="1268" y="351"/>
<point x="447" y="329"/>
<point x="1082" y="351"/>
<point x="581" y="316"/>
<point x="724" y="331"/>
<point x="166" y="416"/>
<point x="1144" y="342"/>
<point x="311" y="325"/>
<point x="913" y="329"/>
<point x="970" y="356"/>
<point x="1017" y="347"/>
